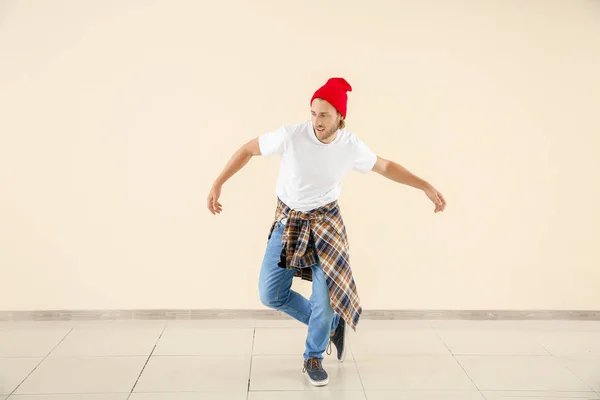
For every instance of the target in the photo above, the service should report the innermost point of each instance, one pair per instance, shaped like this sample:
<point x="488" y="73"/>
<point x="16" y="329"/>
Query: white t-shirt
<point x="311" y="171"/>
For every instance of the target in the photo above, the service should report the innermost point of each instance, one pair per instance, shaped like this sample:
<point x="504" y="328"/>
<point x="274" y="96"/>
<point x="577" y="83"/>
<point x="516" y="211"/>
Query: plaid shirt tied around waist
<point x="320" y="236"/>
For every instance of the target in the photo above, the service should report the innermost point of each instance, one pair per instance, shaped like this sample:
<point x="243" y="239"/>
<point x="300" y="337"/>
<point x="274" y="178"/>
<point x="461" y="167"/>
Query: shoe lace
<point x="312" y="364"/>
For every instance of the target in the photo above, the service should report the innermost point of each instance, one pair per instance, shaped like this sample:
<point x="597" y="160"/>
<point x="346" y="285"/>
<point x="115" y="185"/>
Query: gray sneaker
<point x="316" y="374"/>
<point x="339" y="338"/>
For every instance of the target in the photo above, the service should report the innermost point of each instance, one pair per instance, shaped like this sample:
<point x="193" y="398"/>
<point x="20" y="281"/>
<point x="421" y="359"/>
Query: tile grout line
<point x="555" y="357"/>
<point x="251" y="359"/>
<point x="147" y="360"/>
<point x="40" y="363"/>
<point x="459" y="364"/>
<point x="566" y="367"/>
<point x="358" y="372"/>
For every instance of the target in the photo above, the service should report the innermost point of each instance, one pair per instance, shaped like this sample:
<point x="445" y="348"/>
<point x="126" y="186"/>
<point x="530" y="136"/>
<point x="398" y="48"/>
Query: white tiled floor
<point x="262" y="360"/>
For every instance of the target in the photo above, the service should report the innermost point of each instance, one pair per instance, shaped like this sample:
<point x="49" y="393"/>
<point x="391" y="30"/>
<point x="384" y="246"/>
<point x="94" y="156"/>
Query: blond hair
<point x="342" y="121"/>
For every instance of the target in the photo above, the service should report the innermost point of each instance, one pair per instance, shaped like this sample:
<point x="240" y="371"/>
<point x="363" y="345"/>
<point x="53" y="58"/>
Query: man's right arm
<point x="264" y="145"/>
<point x="237" y="161"/>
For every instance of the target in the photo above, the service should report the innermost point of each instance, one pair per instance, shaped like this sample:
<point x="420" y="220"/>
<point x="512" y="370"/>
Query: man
<point x="307" y="237"/>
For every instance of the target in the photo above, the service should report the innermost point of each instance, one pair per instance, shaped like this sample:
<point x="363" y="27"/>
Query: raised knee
<point x="322" y="311"/>
<point x="328" y="314"/>
<point x="269" y="300"/>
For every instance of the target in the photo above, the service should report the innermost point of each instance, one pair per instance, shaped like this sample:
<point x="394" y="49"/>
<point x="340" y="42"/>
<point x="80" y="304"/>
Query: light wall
<point x="116" y="116"/>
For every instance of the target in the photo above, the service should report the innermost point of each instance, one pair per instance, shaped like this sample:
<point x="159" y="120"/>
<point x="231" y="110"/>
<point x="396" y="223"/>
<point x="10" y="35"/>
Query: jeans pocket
<point x="276" y="227"/>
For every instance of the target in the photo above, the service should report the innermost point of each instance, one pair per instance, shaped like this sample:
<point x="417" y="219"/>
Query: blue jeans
<point x="274" y="287"/>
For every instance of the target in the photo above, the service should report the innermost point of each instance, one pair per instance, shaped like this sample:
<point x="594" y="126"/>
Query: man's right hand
<point x="213" y="200"/>
<point x="236" y="162"/>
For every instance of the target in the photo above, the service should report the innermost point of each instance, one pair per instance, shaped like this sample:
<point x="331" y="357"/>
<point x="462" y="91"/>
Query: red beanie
<point x="334" y="91"/>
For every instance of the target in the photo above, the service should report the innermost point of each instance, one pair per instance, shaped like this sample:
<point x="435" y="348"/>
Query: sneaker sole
<point x="318" y="383"/>
<point x="345" y="351"/>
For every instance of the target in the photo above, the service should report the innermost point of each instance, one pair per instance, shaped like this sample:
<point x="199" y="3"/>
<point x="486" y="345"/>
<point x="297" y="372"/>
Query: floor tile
<point x="412" y="373"/>
<point x="121" y="324"/>
<point x="535" y="395"/>
<point x="205" y="341"/>
<point x="195" y="374"/>
<point x="28" y="325"/>
<point x="542" y="373"/>
<point x="587" y="369"/>
<point x="478" y="324"/>
<point x="309" y="395"/>
<point x="29" y="342"/>
<point x="280" y="341"/>
<point x="387" y="342"/>
<point x="365" y="324"/>
<point x="564" y="325"/>
<point x="425" y="395"/>
<point x="285" y="373"/>
<point x="13" y="371"/>
<point x="113" y="396"/>
<point x="212" y="323"/>
<point x="190" y="396"/>
<point x="211" y="359"/>
<point x="279" y="323"/>
<point x="105" y="342"/>
<point x="571" y="343"/>
<point x="491" y="342"/>
<point x="84" y="375"/>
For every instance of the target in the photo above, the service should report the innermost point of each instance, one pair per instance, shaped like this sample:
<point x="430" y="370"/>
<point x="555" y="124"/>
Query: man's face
<point x="325" y="120"/>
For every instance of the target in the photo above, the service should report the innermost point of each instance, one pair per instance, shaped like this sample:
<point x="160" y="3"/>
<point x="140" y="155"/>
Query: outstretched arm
<point x="398" y="173"/>
<point x="237" y="161"/>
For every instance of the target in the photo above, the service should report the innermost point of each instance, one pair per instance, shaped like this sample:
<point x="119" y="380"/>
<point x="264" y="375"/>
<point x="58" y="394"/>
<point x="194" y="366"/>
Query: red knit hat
<point x="334" y="91"/>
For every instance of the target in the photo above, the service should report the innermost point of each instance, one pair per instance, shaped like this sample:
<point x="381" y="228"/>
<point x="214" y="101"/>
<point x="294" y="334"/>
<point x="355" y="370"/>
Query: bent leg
<point x="274" y="284"/>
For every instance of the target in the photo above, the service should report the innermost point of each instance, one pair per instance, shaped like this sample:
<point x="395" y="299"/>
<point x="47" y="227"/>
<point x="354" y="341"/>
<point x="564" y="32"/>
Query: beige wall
<point x="117" y="115"/>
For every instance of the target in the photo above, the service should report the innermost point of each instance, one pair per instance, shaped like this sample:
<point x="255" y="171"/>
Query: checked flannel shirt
<point x="320" y="236"/>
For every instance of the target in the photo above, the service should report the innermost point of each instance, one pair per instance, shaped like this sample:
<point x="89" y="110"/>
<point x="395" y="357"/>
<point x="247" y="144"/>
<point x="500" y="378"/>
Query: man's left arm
<point x="398" y="173"/>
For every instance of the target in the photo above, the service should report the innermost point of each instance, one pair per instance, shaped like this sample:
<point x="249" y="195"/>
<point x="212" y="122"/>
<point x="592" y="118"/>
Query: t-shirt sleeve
<point x="365" y="158"/>
<point x="273" y="142"/>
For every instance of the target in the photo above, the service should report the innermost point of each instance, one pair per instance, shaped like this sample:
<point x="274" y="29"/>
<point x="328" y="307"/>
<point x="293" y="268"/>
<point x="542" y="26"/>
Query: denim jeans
<point x="274" y="287"/>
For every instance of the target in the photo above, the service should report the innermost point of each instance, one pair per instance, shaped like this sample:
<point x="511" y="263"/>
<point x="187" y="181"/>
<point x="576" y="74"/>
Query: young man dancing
<point x="308" y="237"/>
